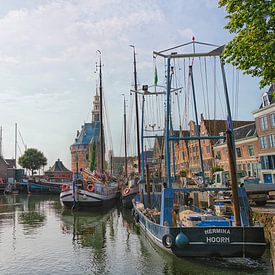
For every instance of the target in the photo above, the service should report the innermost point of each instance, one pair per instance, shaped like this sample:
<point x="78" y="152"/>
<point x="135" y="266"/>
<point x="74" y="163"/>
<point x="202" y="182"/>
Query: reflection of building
<point x="58" y="172"/>
<point x="86" y="146"/>
<point x="265" y="125"/>
<point x="247" y="150"/>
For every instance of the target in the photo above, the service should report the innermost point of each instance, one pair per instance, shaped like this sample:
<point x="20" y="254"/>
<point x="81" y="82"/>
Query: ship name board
<point x="217" y="239"/>
<point x="217" y="231"/>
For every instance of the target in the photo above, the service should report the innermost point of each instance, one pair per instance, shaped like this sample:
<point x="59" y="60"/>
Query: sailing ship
<point x="92" y="188"/>
<point x="164" y="210"/>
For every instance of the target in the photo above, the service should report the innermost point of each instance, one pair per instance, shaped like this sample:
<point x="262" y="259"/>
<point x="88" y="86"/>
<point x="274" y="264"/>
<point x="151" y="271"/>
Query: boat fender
<point x="126" y="191"/>
<point x="64" y="187"/>
<point x="90" y="188"/>
<point x="168" y="240"/>
<point x="181" y="240"/>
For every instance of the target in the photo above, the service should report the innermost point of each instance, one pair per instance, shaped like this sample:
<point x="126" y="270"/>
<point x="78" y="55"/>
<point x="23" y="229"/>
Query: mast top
<point x="215" y="50"/>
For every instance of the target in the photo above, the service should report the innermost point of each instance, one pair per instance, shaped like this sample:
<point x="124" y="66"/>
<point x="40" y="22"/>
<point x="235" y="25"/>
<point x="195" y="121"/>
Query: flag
<point x="156" y="76"/>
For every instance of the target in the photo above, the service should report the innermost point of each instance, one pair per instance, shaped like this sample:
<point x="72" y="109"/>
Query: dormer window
<point x="265" y="99"/>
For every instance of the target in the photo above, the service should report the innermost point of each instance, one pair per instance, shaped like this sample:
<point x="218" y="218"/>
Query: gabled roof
<point x="270" y="95"/>
<point x="246" y="131"/>
<point x="58" y="167"/>
<point x="89" y="132"/>
<point x="215" y="127"/>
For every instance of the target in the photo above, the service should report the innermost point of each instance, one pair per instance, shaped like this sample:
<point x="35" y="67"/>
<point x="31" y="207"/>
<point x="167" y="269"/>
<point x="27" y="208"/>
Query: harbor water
<point x="38" y="237"/>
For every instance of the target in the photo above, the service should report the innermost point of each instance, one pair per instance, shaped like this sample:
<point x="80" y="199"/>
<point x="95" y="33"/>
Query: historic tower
<point x="86" y="138"/>
<point x="95" y="110"/>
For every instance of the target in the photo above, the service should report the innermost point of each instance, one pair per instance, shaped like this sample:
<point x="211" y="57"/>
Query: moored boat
<point x="89" y="190"/>
<point x="165" y="211"/>
<point x="92" y="187"/>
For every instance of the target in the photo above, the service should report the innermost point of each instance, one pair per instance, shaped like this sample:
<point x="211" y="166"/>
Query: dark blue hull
<point x="206" y="241"/>
<point x="127" y="200"/>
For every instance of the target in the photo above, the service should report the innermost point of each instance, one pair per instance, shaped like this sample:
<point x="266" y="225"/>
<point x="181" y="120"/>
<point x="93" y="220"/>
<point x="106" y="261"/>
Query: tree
<point x="92" y="162"/>
<point x="216" y="169"/>
<point x="32" y="160"/>
<point x="183" y="173"/>
<point x="253" y="48"/>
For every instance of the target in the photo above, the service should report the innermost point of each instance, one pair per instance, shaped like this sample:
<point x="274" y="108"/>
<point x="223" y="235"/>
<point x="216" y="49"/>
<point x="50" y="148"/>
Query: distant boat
<point x="92" y="188"/>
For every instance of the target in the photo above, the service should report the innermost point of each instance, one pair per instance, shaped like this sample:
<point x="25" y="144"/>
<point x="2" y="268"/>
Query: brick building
<point x="87" y="141"/>
<point x="58" y="172"/>
<point x="182" y="153"/>
<point x="207" y="128"/>
<point x="265" y="126"/>
<point x="247" y="150"/>
<point x="7" y="168"/>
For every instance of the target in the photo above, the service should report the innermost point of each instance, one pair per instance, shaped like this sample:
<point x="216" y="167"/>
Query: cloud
<point x="48" y="55"/>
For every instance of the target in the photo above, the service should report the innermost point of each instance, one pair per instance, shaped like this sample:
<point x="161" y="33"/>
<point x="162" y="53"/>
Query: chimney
<point x="221" y="140"/>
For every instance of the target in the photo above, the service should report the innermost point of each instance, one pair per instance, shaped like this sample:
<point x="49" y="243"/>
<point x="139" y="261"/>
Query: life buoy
<point x="64" y="187"/>
<point x="90" y="188"/>
<point x="126" y="191"/>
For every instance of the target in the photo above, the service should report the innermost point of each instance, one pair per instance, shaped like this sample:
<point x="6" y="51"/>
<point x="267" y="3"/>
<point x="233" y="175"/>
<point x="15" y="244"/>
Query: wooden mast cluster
<point x="230" y="135"/>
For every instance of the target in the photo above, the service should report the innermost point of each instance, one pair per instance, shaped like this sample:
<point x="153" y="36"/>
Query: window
<point x="272" y="140"/>
<point x="265" y="100"/>
<point x="249" y="172"/>
<point x="208" y="149"/>
<point x="263" y="122"/>
<point x="272" y="119"/>
<point x="239" y="152"/>
<point x="255" y="169"/>
<point x="250" y="149"/>
<point x="268" y="162"/>
<point x="263" y="143"/>
<point x="264" y="162"/>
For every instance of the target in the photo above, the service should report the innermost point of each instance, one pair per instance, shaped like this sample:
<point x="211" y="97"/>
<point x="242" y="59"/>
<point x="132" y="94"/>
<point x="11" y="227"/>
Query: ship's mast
<point x="137" y="114"/>
<point x="125" y="137"/>
<point x="15" y="144"/>
<point x="101" y="116"/>
<point x="1" y="138"/>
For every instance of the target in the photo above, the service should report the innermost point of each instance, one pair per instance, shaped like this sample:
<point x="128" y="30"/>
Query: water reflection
<point x="102" y="242"/>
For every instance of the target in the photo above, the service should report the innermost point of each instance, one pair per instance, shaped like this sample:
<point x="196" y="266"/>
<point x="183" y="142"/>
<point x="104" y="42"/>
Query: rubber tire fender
<point x="164" y="241"/>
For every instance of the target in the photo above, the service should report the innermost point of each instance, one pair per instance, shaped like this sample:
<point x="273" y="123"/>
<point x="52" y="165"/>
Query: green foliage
<point x="253" y="47"/>
<point x="92" y="162"/>
<point x="183" y="173"/>
<point x="32" y="160"/>
<point x="216" y="169"/>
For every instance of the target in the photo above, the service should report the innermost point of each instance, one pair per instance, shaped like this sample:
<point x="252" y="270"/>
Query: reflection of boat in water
<point x="182" y="228"/>
<point x="86" y="228"/>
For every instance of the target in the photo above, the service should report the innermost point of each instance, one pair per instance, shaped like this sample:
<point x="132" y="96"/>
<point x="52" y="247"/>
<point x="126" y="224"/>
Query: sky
<point x="48" y="56"/>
